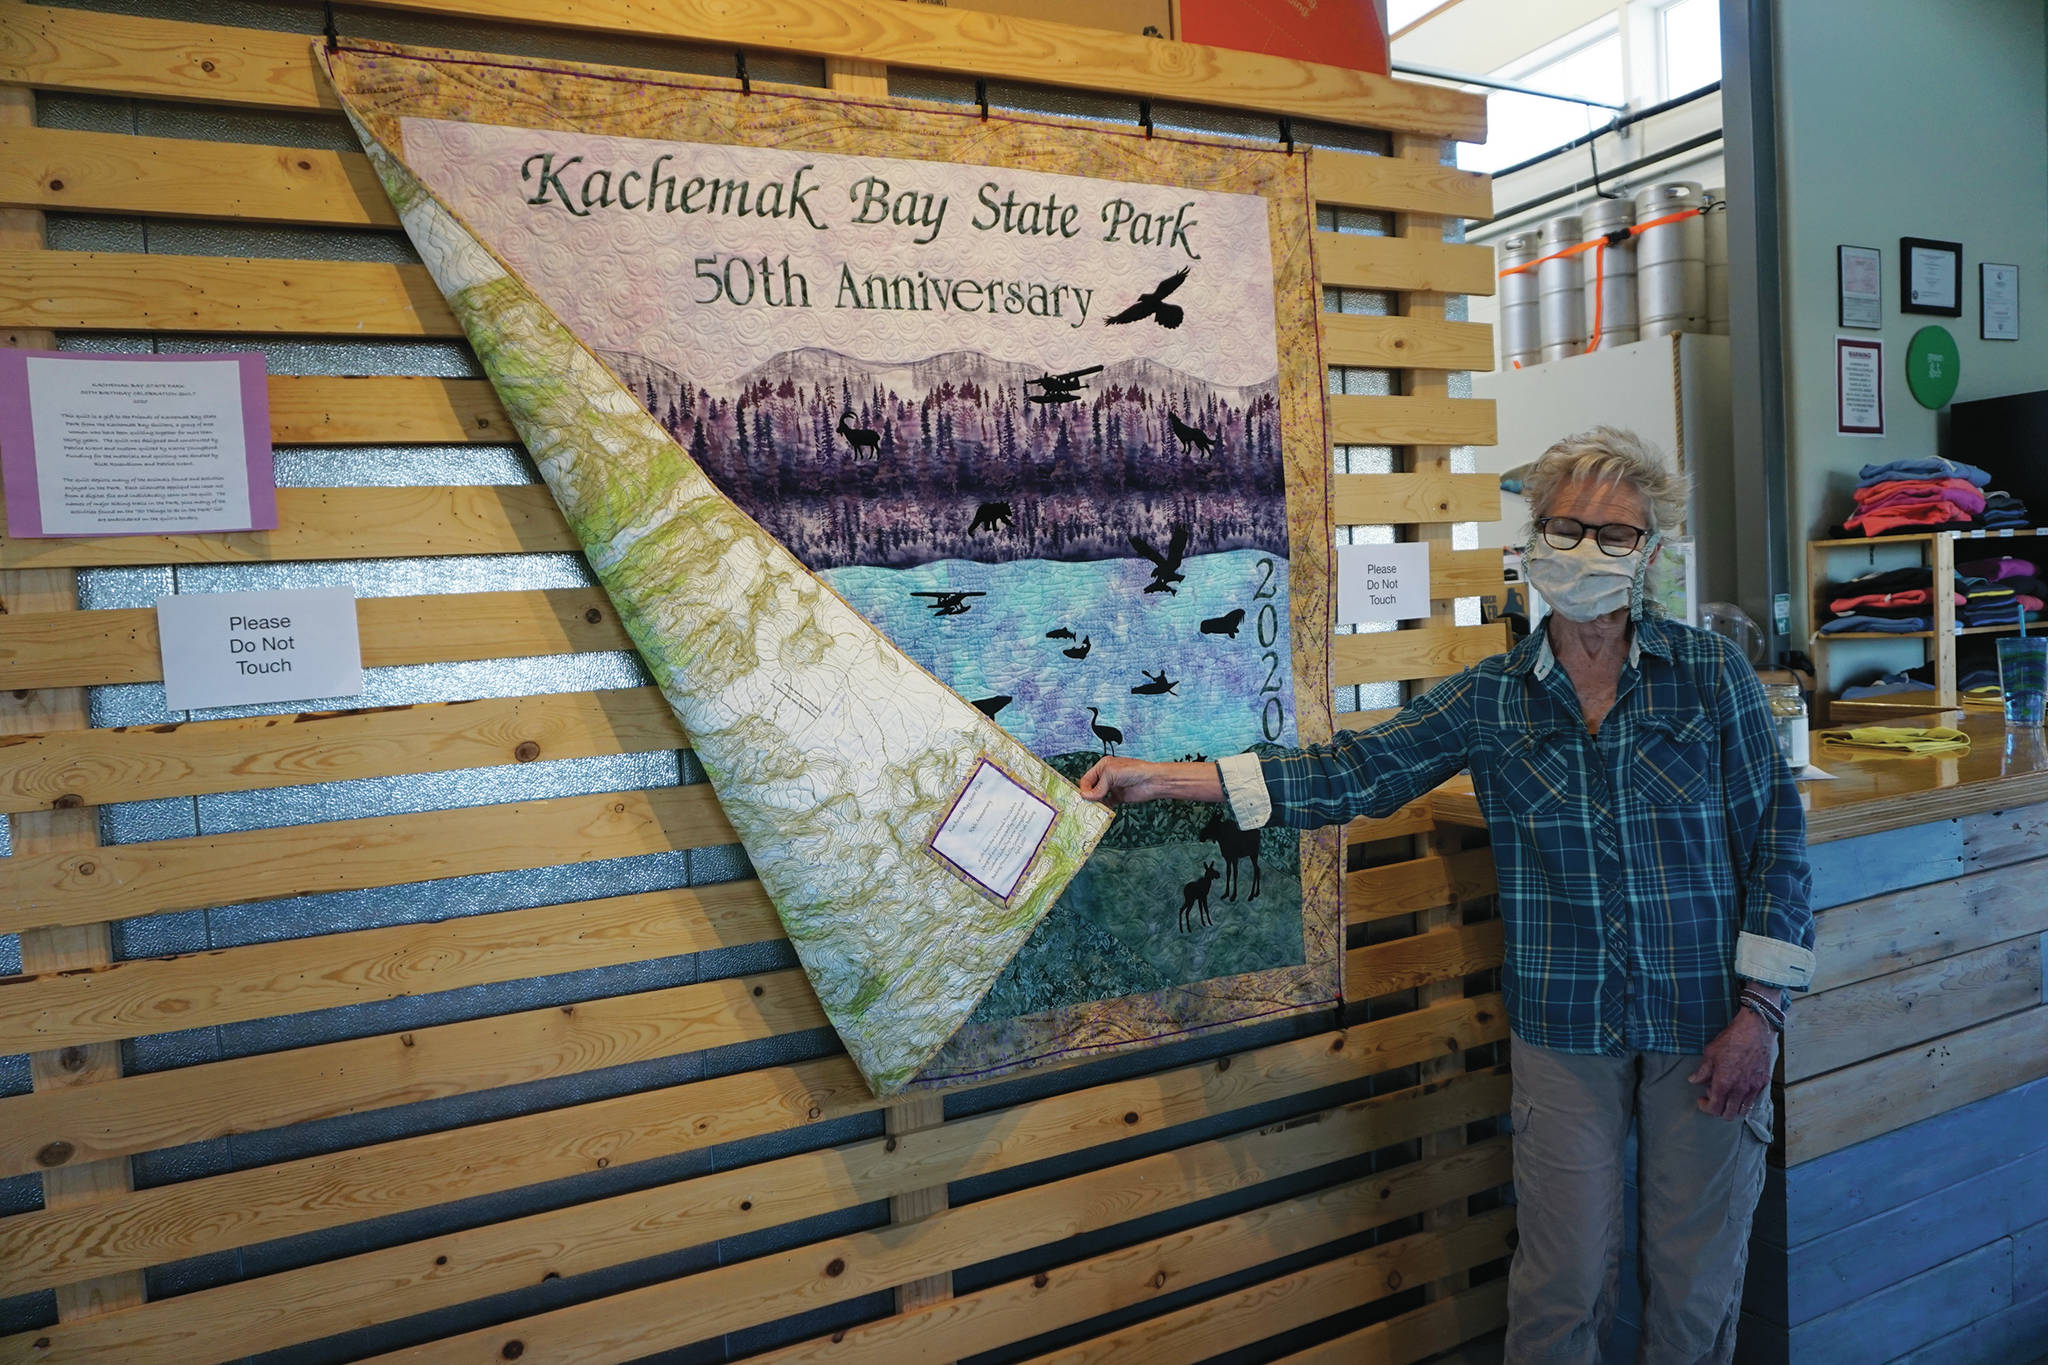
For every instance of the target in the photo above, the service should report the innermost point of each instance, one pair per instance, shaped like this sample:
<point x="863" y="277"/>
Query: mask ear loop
<point x="1637" y="597"/>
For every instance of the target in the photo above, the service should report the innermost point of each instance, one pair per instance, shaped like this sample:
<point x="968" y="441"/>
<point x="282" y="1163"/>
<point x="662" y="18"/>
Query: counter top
<point x="1872" y="793"/>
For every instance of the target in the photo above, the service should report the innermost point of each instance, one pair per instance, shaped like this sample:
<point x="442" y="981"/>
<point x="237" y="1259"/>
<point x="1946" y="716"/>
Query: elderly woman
<point x="1651" y="856"/>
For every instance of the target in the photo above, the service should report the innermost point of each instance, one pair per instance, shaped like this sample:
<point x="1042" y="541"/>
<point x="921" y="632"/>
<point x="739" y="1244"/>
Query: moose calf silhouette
<point x="1195" y="896"/>
<point x="1234" y="844"/>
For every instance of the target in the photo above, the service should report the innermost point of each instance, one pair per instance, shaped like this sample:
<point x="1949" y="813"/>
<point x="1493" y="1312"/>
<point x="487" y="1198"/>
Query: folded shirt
<point x="1993" y="570"/>
<point x="1883" y="686"/>
<point x="1919" y="516"/>
<point x="1961" y="492"/>
<point x="1903" y="740"/>
<point x="1886" y="580"/>
<point x="1888" y="625"/>
<point x="1910" y="597"/>
<point x="1927" y="467"/>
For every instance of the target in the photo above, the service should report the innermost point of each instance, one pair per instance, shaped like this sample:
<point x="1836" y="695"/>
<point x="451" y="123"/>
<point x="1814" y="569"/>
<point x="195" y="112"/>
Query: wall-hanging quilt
<point x="926" y="457"/>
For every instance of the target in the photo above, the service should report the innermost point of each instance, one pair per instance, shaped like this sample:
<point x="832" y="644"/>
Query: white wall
<point x="1902" y="118"/>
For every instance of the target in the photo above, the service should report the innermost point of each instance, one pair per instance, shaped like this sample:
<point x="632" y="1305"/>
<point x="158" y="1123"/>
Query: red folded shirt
<point x="1875" y="521"/>
<point x="1959" y="491"/>
<point x="1912" y="597"/>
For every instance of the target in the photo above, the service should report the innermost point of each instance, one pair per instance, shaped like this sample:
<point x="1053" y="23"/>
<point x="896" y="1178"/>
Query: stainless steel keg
<point x="1560" y="288"/>
<point x="1610" y="274"/>
<point x="1521" y="330"/>
<point x="1671" y="261"/>
<point x="1716" y="220"/>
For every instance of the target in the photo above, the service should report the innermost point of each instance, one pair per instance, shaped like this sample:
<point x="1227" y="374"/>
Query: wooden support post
<point x="1432" y="460"/>
<point x="57" y="831"/>
<point x="848" y="77"/>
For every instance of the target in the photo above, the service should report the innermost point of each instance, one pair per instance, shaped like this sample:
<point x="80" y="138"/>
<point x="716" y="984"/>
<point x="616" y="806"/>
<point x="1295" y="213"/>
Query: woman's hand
<point x="1128" y="781"/>
<point x="1737" y="1066"/>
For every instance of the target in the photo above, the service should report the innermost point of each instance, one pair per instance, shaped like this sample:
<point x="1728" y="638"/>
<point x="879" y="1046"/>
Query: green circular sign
<point x="1933" y="365"/>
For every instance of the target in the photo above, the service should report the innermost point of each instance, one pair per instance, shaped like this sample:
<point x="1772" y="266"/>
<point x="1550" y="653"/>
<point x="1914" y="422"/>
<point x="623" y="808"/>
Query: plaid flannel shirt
<point x="1644" y="873"/>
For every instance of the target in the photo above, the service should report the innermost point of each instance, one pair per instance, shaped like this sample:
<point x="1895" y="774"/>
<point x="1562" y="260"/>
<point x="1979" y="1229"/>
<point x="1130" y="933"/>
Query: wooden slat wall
<point x="747" y="1155"/>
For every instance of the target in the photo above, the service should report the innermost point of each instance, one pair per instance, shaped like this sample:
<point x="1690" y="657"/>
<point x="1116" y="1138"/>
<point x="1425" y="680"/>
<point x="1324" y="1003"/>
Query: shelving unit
<point x="1938" y="551"/>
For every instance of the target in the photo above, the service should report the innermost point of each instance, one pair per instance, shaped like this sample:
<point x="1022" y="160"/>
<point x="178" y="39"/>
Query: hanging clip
<point x="981" y="97"/>
<point x="333" y="36"/>
<point x="739" y="59"/>
<point x="1287" y="133"/>
<point x="1145" y="116"/>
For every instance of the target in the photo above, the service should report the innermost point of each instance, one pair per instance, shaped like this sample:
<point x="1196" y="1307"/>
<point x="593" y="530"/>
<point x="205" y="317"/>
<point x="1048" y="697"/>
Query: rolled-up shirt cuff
<point x="1244" y="790"/>
<point x="1773" y="961"/>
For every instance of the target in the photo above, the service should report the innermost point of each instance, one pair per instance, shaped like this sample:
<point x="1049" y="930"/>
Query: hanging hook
<point x="1145" y="116"/>
<point x="1287" y="133"/>
<point x="981" y="96"/>
<point x="739" y="59"/>
<point x="333" y="36"/>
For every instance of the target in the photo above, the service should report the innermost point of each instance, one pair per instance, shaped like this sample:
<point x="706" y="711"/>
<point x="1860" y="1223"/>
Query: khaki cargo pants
<point x="1697" y="1179"/>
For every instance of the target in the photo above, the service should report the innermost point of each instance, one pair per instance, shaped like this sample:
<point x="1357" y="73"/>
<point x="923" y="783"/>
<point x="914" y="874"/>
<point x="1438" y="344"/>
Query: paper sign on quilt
<point x="926" y="460"/>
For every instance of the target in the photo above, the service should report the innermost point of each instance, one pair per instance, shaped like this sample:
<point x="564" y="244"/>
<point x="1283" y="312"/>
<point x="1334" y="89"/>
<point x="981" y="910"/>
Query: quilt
<point x="927" y="457"/>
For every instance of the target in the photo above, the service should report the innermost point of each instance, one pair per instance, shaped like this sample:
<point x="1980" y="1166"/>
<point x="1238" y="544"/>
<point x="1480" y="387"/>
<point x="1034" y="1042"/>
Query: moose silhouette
<point x="867" y="445"/>
<point x="1234" y="845"/>
<point x="1195" y="896"/>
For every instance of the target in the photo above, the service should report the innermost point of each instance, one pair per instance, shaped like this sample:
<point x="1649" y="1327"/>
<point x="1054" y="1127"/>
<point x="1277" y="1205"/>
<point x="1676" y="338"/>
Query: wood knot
<point x="527" y="751"/>
<point x="1393" y="1280"/>
<point x="1159" y="1280"/>
<point x="1040" y="1280"/>
<point x="1453" y="1045"/>
<point x="837" y="1268"/>
<point x="1131" y="1117"/>
<point x="746" y="1205"/>
<point x="405" y="1040"/>
<point x="1223" y="1064"/>
<point x="55" y="1154"/>
<point x="56" y="184"/>
<point x="603" y="1162"/>
<point x="1337" y="1043"/>
<point x="760" y="991"/>
<point x="593" y="616"/>
<point x="440" y="1260"/>
<point x="207" y="67"/>
<point x="551" y="1275"/>
<point x="815" y="1112"/>
<point x="68" y="801"/>
<point x="86" y="869"/>
<point x="889" y="1145"/>
<point x="305" y="165"/>
<point x="72" y="1059"/>
<point x="512" y="1350"/>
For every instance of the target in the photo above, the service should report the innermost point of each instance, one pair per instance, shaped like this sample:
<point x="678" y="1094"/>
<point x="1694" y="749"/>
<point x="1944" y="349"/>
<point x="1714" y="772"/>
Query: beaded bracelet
<point x="1765" y="1008"/>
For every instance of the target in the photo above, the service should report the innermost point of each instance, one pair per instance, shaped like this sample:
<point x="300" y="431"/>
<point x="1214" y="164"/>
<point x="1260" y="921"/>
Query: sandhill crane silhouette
<point x="1108" y="734"/>
<point x="1195" y="896"/>
<point x="867" y="445"/>
<point x="1152" y="305"/>
<point x="1165" y="567"/>
<point x="1190" y="438"/>
<point x="1080" y="651"/>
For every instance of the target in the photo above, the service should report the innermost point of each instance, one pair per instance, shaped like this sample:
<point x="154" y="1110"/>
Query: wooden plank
<point x="1014" y="48"/>
<point x="70" y="649"/>
<point x="319" y="1300"/>
<point x="1427" y="652"/>
<point x="1902" y="929"/>
<point x="1376" y="499"/>
<point x="269" y="1090"/>
<point x="1354" y="260"/>
<point x="1425" y="883"/>
<point x="347" y="855"/>
<point x="1365" y="720"/>
<point x="338" y="523"/>
<point x="1353" y="180"/>
<point x="1413" y="818"/>
<point x="1408" y="420"/>
<point x="1417" y="1334"/>
<point x="138" y="996"/>
<point x="1424" y="343"/>
<point x="692" y="1308"/>
<point x="88" y="1184"/>
<point x="1905" y="1315"/>
<point x="193" y="758"/>
<point x="1465" y="573"/>
<point x="343" y="411"/>
<point x="1860" y="1102"/>
<point x="919" y="1114"/>
<point x="120" y="291"/>
<point x="1242" y="1317"/>
<point x="1854" y="1023"/>
<point x="115" y="54"/>
<point x="81" y="172"/>
<point x="1442" y="954"/>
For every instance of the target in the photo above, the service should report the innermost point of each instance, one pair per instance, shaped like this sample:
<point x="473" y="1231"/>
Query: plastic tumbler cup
<point x="2023" y="676"/>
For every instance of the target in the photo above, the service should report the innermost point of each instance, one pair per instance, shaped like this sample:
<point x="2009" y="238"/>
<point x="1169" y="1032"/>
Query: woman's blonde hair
<point x="1606" y="455"/>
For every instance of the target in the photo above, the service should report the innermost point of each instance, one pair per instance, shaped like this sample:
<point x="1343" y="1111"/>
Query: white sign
<point x="240" y="648"/>
<point x="994" y="830"/>
<point x="1859" y="386"/>
<point x="1382" y="582"/>
<point x="1998" y="288"/>
<point x="121" y="445"/>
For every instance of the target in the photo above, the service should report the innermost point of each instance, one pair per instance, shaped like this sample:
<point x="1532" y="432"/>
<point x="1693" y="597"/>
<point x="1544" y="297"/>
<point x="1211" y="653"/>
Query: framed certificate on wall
<point x="1930" y="277"/>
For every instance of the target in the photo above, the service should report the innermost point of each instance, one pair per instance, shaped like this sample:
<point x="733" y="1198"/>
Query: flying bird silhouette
<point x="1165" y="567"/>
<point x="1154" y="305"/>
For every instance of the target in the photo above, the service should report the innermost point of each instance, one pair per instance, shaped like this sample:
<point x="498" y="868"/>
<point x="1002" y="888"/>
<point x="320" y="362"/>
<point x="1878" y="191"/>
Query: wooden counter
<point x="1873" y="793"/>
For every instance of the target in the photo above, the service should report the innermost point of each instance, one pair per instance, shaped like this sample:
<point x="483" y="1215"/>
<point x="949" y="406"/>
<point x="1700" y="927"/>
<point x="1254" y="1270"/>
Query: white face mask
<point x="1581" y="584"/>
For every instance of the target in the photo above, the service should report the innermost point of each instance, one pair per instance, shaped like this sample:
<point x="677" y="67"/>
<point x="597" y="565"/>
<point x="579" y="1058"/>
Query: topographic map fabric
<point x="926" y="458"/>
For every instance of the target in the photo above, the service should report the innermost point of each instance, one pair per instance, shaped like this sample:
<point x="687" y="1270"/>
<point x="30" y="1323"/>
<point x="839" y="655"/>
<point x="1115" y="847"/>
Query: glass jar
<point x="1788" y="714"/>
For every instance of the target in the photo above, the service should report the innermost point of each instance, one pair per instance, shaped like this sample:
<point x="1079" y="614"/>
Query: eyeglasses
<point x="1616" y="538"/>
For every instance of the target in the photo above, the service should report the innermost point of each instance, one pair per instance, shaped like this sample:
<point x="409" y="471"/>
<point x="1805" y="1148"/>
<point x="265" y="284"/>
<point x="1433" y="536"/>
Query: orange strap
<point x="1598" y="246"/>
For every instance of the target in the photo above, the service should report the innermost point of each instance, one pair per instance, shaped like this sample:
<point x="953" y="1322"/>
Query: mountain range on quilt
<point x="909" y="444"/>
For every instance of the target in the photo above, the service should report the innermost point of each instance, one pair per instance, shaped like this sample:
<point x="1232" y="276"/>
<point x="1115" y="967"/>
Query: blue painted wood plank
<point x="1872" y="864"/>
<point x="2030" y="1265"/>
<point x="1827" y="1194"/>
<point x="1908" y="1315"/>
<point x="1999" y="838"/>
<point x="1866" y="1257"/>
<point x="2013" y="1337"/>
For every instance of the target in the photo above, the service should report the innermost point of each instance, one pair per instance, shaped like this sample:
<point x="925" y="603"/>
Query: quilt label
<point x="993" y="831"/>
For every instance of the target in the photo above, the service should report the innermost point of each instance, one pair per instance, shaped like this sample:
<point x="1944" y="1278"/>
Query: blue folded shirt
<point x="1903" y="625"/>
<point x="1926" y="467"/>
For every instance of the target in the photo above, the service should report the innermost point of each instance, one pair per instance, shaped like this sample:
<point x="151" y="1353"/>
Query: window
<point x="1587" y="64"/>
<point x="1689" y="45"/>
